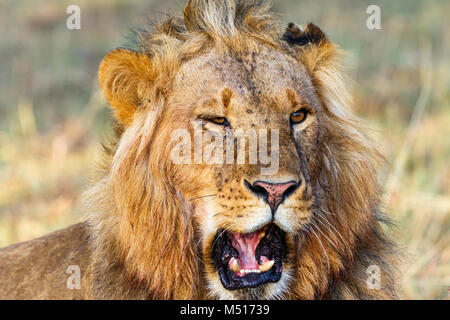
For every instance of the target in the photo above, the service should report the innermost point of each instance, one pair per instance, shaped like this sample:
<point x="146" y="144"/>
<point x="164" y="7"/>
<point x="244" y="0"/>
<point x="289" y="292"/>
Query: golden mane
<point x="143" y="231"/>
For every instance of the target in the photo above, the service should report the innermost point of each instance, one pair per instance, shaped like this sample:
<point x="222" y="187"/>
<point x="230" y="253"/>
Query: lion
<point x="160" y="229"/>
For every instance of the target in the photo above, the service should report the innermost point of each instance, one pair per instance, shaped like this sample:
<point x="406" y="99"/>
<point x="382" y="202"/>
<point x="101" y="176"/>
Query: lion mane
<point x="143" y="240"/>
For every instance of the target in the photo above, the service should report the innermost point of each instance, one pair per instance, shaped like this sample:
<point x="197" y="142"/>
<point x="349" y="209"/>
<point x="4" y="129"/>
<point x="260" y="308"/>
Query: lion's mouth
<point x="249" y="260"/>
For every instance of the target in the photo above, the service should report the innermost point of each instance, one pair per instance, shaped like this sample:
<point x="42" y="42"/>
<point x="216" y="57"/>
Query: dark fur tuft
<point x="311" y="35"/>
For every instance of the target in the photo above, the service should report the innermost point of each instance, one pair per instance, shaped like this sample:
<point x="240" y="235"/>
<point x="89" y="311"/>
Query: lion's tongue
<point x="246" y="244"/>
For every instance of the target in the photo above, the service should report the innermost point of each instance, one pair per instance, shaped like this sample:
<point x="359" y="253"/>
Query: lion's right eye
<point x="220" y="121"/>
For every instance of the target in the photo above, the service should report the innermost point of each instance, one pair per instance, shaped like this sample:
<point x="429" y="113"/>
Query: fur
<point x="149" y="240"/>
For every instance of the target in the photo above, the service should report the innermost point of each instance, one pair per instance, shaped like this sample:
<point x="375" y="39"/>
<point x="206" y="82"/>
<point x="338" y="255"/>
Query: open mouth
<point x="249" y="260"/>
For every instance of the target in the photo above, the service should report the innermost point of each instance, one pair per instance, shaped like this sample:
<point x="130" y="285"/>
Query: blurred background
<point x="53" y="116"/>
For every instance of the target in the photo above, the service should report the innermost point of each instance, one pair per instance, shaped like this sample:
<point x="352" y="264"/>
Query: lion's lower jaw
<point x="269" y="291"/>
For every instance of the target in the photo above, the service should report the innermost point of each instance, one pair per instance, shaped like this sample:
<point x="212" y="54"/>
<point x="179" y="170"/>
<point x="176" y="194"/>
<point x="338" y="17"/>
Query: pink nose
<point x="274" y="193"/>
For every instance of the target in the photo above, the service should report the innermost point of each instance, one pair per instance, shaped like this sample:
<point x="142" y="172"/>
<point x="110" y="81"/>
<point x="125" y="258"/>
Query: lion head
<point x="299" y="220"/>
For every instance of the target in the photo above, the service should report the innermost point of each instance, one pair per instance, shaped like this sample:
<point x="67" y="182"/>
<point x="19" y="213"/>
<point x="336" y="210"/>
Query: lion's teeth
<point x="266" y="266"/>
<point x="251" y="271"/>
<point x="262" y="234"/>
<point x="235" y="266"/>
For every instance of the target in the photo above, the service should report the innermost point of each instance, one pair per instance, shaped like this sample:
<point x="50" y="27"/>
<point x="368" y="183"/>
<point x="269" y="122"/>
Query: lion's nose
<point x="273" y="193"/>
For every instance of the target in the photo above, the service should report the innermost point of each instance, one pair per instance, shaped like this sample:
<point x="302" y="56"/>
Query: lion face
<point x="248" y="218"/>
<point x="239" y="172"/>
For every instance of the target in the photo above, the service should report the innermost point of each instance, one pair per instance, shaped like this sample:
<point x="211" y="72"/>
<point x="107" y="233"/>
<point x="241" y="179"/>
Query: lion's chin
<point x="249" y="260"/>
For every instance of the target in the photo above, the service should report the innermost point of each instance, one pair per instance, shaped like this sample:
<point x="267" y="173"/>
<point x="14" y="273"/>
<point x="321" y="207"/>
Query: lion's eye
<point x="220" y="120"/>
<point x="299" y="116"/>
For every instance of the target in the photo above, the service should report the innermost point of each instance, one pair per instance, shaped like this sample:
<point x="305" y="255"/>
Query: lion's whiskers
<point x="331" y="232"/>
<point x="320" y="215"/>
<point x="328" y="238"/>
<point x="321" y="245"/>
<point x="202" y="197"/>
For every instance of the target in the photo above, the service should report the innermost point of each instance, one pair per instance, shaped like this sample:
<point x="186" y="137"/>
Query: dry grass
<point x="52" y="115"/>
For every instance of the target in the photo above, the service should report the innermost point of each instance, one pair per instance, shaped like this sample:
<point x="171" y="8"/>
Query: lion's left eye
<point x="299" y="116"/>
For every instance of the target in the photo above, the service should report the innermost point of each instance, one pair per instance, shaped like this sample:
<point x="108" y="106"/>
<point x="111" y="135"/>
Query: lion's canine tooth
<point x="235" y="266"/>
<point x="266" y="266"/>
<point x="262" y="234"/>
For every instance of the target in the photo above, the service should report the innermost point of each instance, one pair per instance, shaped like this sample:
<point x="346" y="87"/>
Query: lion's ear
<point x="312" y="34"/>
<point x="126" y="78"/>
<point x="314" y="50"/>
